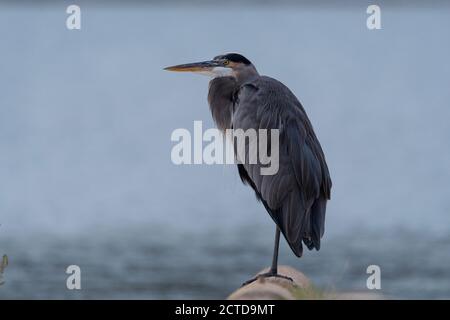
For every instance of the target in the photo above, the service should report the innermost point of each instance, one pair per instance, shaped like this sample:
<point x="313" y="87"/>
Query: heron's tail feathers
<point x="292" y="221"/>
<point x="307" y="226"/>
<point x="316" y="224"/>
<point x="298" y="224"/>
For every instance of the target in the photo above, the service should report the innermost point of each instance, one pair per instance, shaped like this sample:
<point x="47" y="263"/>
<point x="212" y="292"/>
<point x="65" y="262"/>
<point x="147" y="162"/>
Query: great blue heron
<point x="296" y="196"/>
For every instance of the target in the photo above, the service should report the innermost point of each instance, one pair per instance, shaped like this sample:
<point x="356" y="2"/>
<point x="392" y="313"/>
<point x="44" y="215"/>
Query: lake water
<point x="86" y="176"/>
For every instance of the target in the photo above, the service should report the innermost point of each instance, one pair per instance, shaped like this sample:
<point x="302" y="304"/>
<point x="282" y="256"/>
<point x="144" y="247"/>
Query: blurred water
<point x="85" y="170"/>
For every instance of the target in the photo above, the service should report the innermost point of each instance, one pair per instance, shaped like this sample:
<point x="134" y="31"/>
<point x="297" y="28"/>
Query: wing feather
<point x="296" y="195"/>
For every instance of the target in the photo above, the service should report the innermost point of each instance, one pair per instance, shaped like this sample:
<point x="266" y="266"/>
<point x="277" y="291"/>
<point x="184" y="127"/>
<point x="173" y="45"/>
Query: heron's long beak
<point x="194" y="67"/>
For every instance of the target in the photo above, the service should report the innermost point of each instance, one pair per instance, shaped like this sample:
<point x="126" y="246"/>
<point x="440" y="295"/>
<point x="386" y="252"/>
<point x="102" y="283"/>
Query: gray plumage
<point x="296" y="196"/>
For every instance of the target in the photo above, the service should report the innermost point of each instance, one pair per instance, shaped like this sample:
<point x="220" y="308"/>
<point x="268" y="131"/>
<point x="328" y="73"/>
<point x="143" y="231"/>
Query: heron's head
<point x="230" y="64"/>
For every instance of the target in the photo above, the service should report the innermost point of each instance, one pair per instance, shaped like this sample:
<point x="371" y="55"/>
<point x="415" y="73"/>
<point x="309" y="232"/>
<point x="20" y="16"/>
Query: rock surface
<point x="273" y="288"/>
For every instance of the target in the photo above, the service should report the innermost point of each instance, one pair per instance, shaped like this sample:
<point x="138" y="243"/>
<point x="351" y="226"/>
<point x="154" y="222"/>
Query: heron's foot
<point x="269" y="274"/>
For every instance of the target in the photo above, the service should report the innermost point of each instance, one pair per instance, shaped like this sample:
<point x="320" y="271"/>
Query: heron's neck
<point x="246" y="74"/>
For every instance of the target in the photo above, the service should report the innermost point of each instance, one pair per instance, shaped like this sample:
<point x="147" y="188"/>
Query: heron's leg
<point x="273" y="272"/>
<point x="274" y="268"/>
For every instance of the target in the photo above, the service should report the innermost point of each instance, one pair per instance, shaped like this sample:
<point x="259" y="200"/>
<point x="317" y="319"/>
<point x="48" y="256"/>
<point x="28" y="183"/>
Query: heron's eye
<point x="226" y="62"/>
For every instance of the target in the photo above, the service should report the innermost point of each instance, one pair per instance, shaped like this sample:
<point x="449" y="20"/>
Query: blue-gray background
<point x="85" y="170"/>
